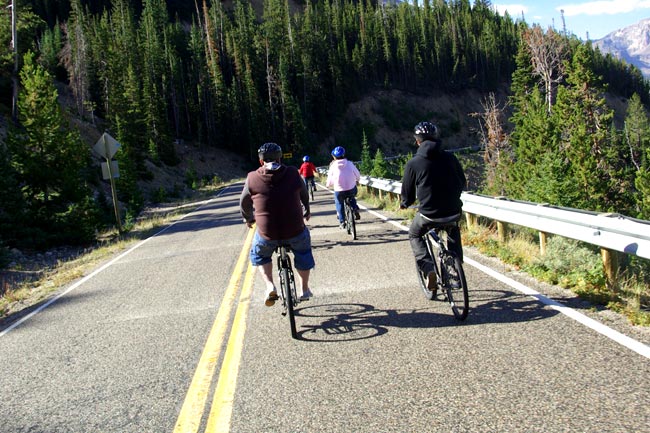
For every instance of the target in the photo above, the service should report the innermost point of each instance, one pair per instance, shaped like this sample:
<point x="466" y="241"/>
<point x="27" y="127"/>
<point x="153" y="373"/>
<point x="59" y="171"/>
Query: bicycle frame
<point x="449" y="272"/>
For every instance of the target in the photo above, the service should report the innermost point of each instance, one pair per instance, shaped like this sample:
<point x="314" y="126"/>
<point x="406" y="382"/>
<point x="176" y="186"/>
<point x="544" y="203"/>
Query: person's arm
<point x="246" y="205"/>
<point x="408" y="188"/>
<point x="357" y="174"/>
<point x="330" y="175"/>
<point x="304" y="199"/>
<point x="458" y="168"/>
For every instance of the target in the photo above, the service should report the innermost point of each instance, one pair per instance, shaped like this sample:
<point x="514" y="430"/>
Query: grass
<point x="569" y="264"/>
<point x="15" y="297"/>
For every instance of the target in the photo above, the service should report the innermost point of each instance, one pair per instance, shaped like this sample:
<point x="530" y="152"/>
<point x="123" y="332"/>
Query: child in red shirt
<point x="307" y="171"/>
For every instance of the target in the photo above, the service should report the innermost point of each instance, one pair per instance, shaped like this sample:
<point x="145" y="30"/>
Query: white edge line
<point x="104" y="267"/>
<point x="624" y="340"/>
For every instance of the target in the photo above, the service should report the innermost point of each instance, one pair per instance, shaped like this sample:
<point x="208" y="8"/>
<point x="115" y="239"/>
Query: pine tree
<point x="153" y="43"/>
<point x="366" y="159"/>
<point x="584" y="120"/>
<point x="379" y="165"/>
<point x="637" y="138"/>
<point x="49" y="161"/>
<point x="79" y="60"/>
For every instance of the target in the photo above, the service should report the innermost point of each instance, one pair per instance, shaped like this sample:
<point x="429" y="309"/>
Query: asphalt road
<point x="173" y="336"/>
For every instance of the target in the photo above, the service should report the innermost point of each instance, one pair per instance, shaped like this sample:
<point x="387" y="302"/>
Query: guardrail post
<point x="470" y="218"/>
<point x="610" y="263"/>
<point x="543" y="239"/>
<point x="502" y="230"/>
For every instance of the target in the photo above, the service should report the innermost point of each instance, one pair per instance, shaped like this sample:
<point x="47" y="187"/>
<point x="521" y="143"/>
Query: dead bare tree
<point x="547" y="50"/>
<point x="495" y="141"/>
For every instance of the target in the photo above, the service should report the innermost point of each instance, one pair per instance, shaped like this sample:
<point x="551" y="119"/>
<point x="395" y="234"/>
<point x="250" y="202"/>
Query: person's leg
<point x="304" y="280"/>
<point x="352" y="193"/>
<point x="353" y="201"/>
<point x="339" y="205"/>
<point x="454" y="242"/>
<point x="423" y="259"/>
<point x="304" y="260"/>
<point x="266" y="270"/>
<point x="260" y="256"/>
<point x="419" y="226"/>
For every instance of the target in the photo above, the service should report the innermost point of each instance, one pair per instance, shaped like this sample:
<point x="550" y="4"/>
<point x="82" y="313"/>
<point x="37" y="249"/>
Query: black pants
<point x="419" y="226"/>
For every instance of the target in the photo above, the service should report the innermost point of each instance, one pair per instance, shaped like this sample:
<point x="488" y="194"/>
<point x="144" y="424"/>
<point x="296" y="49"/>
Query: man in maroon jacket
<point x="275" y="199"/>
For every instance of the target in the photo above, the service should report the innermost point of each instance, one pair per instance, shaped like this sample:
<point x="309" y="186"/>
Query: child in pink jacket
<point x="343" y="175"/>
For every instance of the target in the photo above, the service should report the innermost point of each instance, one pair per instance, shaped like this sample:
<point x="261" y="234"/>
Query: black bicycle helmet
<point x="338" y="152"/>
<point x="269" y="152"/>
<point x="426" y="131"/>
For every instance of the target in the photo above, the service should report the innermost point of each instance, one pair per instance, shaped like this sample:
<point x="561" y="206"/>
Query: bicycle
<point x="288" y="293"/>
<point x="450" y="276"/>
<point x="348" y="218"/>
<point x="311" y="187"/>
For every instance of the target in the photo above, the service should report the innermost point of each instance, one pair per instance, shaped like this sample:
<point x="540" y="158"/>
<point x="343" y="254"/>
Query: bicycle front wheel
<point x="456" y="287"/>
<point x="350" y="223"/>
<point x="288" y="297"/>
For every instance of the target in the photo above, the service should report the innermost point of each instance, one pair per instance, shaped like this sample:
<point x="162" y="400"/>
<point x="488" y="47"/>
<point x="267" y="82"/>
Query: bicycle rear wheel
<point x="311" y="191"/>
<point x="288" y="296"/>
<point x="456" y="286"/>
<point x="350" y="223"/>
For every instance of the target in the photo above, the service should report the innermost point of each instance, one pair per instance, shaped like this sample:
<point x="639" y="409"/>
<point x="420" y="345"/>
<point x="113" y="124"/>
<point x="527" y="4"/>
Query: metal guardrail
<point x="611" y="231"/>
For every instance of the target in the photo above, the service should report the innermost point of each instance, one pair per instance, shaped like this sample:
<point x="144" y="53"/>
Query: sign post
<point x="107" y="146"/>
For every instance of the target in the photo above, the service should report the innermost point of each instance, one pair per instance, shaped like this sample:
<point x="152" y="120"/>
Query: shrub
<point x="569" y="264"/>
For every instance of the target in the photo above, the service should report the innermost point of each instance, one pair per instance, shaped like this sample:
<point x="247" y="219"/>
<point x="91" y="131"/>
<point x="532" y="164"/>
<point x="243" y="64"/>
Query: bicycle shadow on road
<point x="348" y="322"/>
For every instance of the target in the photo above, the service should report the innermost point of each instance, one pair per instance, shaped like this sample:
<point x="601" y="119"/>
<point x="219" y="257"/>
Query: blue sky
<point x="596" y="17"/>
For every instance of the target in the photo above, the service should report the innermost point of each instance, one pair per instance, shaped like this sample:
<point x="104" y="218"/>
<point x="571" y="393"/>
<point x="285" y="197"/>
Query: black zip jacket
<point x="436" y="179"/>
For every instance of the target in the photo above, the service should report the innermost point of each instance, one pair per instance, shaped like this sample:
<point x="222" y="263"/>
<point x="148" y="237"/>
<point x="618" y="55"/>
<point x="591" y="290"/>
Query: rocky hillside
<point x="631" y="44"/>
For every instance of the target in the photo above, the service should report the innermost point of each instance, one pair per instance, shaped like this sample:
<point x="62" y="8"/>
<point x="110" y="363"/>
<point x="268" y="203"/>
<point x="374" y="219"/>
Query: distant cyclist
<point x="274" y="197"/>
<point x="307" y="171"/>
<point x="343" y="175"/>
<point x="436" y="179"/>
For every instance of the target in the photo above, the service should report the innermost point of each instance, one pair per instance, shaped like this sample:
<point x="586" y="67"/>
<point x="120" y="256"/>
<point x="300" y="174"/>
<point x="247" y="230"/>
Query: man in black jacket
<point x="436" y="179"/>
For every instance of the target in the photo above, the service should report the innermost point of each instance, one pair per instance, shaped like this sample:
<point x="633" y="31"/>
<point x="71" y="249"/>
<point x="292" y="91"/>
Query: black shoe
<point x="357" y="216"/>
<point x="342" y="225"/>
<point x="432" y="282"/>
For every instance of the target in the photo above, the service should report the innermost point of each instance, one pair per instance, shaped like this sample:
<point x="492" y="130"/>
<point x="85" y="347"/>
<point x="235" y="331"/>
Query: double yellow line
<point x="189" y="419"/>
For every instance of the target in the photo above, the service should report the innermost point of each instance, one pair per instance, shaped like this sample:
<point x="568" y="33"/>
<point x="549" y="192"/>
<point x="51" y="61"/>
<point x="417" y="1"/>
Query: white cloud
<point x="515" y="10"/>
<point x="604" y="7"/>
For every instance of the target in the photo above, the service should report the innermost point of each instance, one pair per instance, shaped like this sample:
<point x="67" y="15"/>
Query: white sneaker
<point x="306" y="295"/>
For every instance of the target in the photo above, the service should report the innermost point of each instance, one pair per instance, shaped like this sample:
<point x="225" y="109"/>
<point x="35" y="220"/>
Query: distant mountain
<point x="631" y="44"/>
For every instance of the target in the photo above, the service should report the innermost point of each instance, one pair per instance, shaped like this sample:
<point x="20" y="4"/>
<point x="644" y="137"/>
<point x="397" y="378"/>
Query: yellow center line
<point x="222" y="403"/>
<point x="189" y="419"/>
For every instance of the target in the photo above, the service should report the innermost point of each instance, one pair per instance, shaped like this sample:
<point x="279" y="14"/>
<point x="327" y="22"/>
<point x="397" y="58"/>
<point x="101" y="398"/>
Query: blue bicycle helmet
<point x="338" y="152"/>
<point x="305" y="158"/>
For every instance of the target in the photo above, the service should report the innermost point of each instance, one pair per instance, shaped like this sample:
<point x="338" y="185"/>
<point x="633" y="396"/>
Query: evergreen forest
<point x="236" y="74"/>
